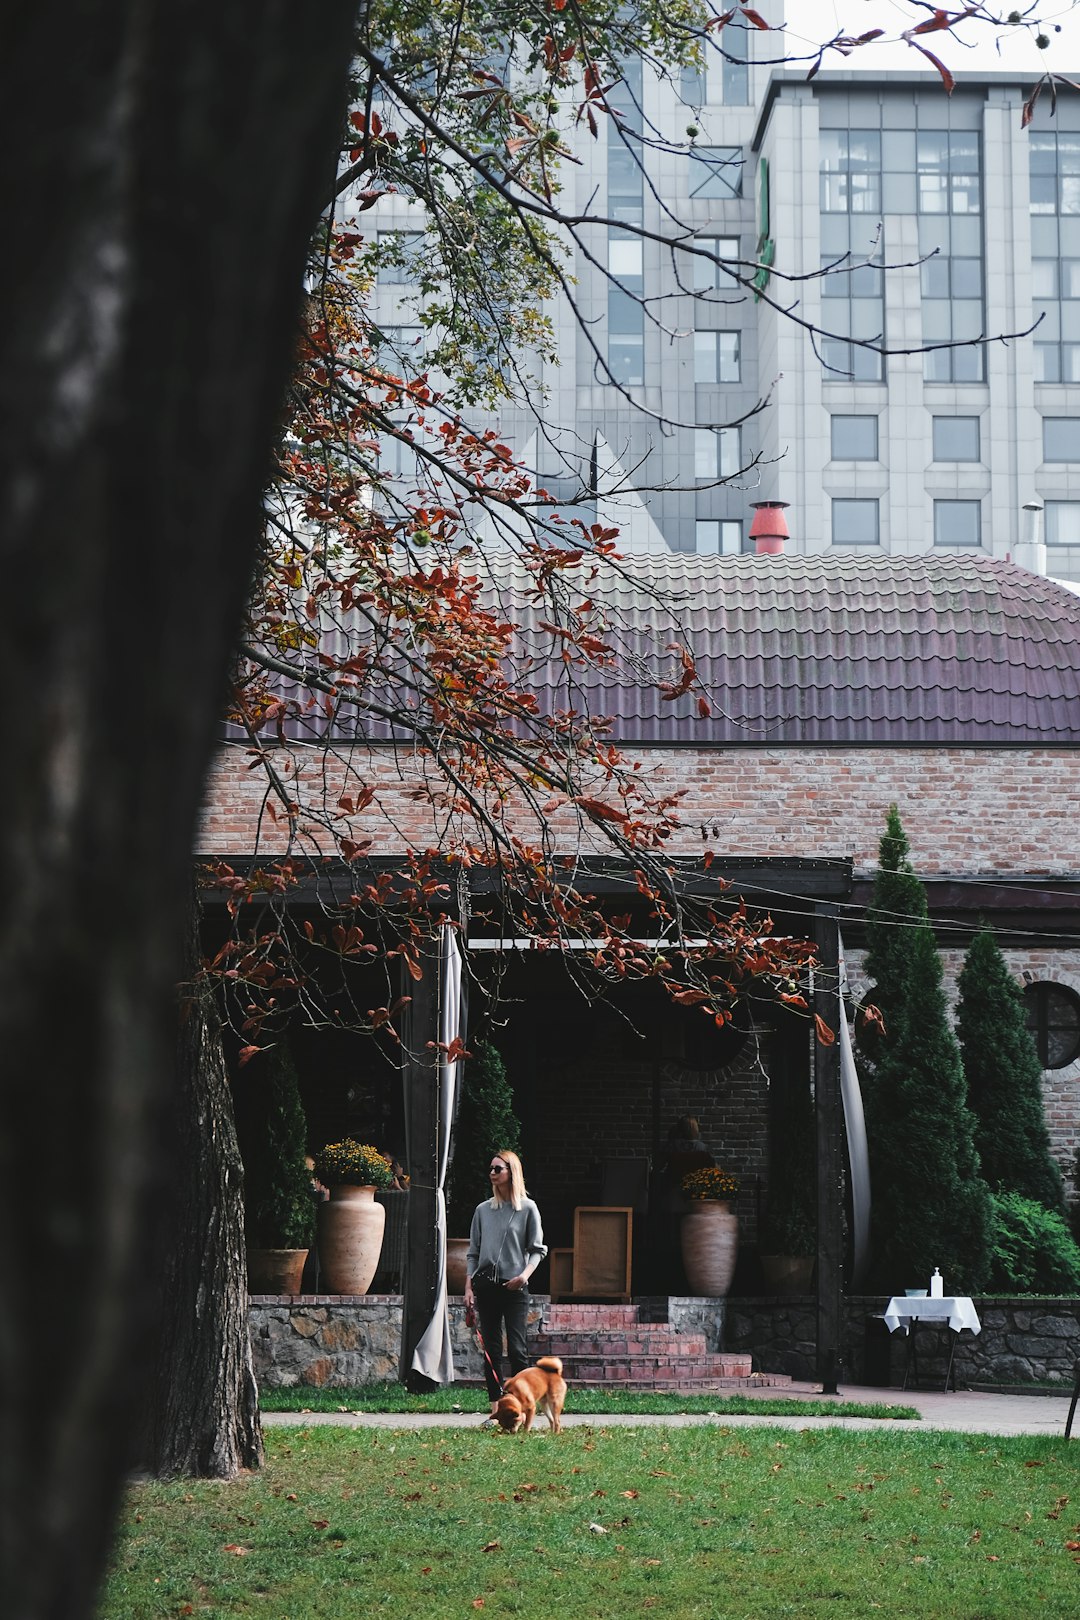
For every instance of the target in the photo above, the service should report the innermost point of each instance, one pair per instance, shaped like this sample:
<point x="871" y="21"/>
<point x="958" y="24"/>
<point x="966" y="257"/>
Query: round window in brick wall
<point x="1053" y="1017"/>
<point x="700" y="1044"/>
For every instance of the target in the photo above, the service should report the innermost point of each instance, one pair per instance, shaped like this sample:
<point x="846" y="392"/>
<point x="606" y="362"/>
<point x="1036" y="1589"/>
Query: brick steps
<point x="611" y="1347"/>
<point x="647" y="1370"/>
<point x="617" y="1346"/>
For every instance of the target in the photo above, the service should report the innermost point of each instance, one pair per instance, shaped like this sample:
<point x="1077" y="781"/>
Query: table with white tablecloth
<point x="954" y="1311"/>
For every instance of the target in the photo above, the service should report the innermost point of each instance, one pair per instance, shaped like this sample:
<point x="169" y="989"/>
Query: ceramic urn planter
<point x="350" y="1239"/>
<point x="710" y="1245"/>
<point x="275" y="1271"/>
<point x="456" y="1251"/>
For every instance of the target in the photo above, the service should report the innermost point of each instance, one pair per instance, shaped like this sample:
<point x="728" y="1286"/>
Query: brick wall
<point x="965" y="810"/>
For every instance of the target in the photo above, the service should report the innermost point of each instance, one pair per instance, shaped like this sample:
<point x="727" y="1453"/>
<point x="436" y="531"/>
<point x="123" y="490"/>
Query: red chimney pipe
<point x="769" y="528"/>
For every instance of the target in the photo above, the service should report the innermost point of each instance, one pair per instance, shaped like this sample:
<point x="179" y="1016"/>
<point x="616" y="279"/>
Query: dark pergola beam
<point x="828" y="1105"/>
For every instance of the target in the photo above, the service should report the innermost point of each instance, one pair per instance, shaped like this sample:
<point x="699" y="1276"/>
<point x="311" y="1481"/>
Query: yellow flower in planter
<point x="352" y="1164"/>
<point x="710" y="1183"/>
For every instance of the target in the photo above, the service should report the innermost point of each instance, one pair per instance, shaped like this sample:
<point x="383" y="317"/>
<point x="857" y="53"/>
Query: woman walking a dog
<point x="506" y="1245"/>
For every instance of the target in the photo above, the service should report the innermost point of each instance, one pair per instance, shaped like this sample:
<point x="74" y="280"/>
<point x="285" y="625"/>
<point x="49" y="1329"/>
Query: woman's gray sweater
<point x="506" y="1238"/>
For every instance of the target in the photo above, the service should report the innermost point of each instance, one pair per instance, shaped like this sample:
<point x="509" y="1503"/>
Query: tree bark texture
<point x="203" y="1403"/>
<point x="162" y="167"/>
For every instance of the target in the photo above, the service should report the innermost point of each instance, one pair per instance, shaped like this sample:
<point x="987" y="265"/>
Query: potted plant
<point x="709" y="1235"/>
<point x="485" y="1122"/>
<point x="351" y="1222"/>
<point x="788" y="1239"/>
<point x="279" y="1209"/>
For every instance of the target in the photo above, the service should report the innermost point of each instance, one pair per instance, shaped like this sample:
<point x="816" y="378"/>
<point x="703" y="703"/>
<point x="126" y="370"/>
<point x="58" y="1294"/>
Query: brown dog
<point x="541" y="1386"/>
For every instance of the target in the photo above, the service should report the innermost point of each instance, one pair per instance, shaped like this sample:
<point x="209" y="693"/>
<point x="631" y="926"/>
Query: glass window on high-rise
<point x="718" y="537"/>
<point x="854" y="438"/>
<point x="717" y="452"/>
<point x="1062" y="539"/>
<point x="625" y="256"/>
<point x="949" y="205"/>
<point x="715" y="171"/>
<point x="855" y="523"/>
<point x="852" y="289"/>
<point x="397" y="253"/>
<point x="851" y="171"/>
<point x="948" y="172"/>
<point x="722" y="76"/>
<point x="958" y="523"/>
<point x="626" y="337"/>
<point x="717" y="357"/>
<point x="852" y="308"/>
<point x="956" y="438"/>
<point x="1054" y="161"/>
<point x="703" y="274"/>
<point x="1061" y="438"/>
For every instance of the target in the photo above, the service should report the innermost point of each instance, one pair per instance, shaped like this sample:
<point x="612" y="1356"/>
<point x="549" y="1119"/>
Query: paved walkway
<point x="967" y="1411"/>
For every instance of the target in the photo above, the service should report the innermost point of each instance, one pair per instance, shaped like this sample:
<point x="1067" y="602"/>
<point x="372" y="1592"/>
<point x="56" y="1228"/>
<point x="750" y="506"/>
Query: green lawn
<point x="700" y="1523"/>
<point x="595" y="1402"/>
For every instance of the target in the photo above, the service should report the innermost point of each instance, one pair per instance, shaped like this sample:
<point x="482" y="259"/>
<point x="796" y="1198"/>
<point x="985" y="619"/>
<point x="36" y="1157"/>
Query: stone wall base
<point x="337" y="1341"/>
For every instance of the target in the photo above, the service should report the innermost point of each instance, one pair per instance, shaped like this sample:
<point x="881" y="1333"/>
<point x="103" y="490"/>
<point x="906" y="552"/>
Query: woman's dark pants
<point x="497" y="1306"/>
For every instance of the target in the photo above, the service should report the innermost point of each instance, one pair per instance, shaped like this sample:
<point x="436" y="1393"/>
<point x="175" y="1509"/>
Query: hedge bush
<point x="1031" y="1248"/>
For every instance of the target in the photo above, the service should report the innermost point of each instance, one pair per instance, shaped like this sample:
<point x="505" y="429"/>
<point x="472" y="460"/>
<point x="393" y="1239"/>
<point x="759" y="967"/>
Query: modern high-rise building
<point x="906" y="372"/>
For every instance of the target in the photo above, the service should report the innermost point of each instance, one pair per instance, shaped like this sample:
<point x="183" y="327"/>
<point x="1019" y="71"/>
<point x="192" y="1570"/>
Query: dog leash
<point x="472" y="1321"/>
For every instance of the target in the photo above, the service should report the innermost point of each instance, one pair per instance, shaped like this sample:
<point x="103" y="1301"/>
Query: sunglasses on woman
<point x="496" y="1170"/>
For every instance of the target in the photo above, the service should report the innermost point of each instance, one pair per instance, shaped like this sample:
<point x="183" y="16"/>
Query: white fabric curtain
<point x="433" y="1356"/>
<point x="858" y="1152"/>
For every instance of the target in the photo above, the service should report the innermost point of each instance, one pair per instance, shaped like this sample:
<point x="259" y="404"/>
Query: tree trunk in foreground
<point x="203" y="1405"/>
<point x="162" y="167"/>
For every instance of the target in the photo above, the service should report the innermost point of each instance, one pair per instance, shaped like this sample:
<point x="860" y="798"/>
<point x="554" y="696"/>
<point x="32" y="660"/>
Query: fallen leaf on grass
<point x="1072" y="1546"/>
<point x="597" y="1529"/>
<point x="492" y="1546"/>
<point x="1033" y="1463"/>
<point x="292" y="1497"/>
<point x="992" y="1558"/>
<point x="239" y="1552"/>
<point x="651" y="1563"/>
<point x="478" y="1603"/>
<point x="599" y="1493"/>
<point x="426" y="1570"/>
<point x="631" y="1496"/>
<point x="320" y="1524"/>
<point x="529" y="1486"/>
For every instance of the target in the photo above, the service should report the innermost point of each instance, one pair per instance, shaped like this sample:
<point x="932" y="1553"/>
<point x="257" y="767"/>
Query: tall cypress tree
<point x="1004" y="1078"/>
<point x="931" y="1205"/>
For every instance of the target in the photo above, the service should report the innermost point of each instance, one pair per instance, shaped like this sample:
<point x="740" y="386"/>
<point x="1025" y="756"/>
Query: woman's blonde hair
<point x="518" y="1194"/>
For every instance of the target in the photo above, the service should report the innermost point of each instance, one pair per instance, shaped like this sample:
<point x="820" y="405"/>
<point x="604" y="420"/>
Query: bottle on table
<point x="937" y="1286"/>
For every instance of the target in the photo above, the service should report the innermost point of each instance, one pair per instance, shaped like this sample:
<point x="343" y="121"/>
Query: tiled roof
<point x="837" y="649"/>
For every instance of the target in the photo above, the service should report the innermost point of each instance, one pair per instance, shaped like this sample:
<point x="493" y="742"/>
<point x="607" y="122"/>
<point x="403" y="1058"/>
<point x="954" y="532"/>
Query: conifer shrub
<point x="931" y="1205"/>
<point x="1004" y="1078"/>
<point x="486" y="1122"/>
<point x="1032" y="1249"/>
<point x="279" y="1210"/>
